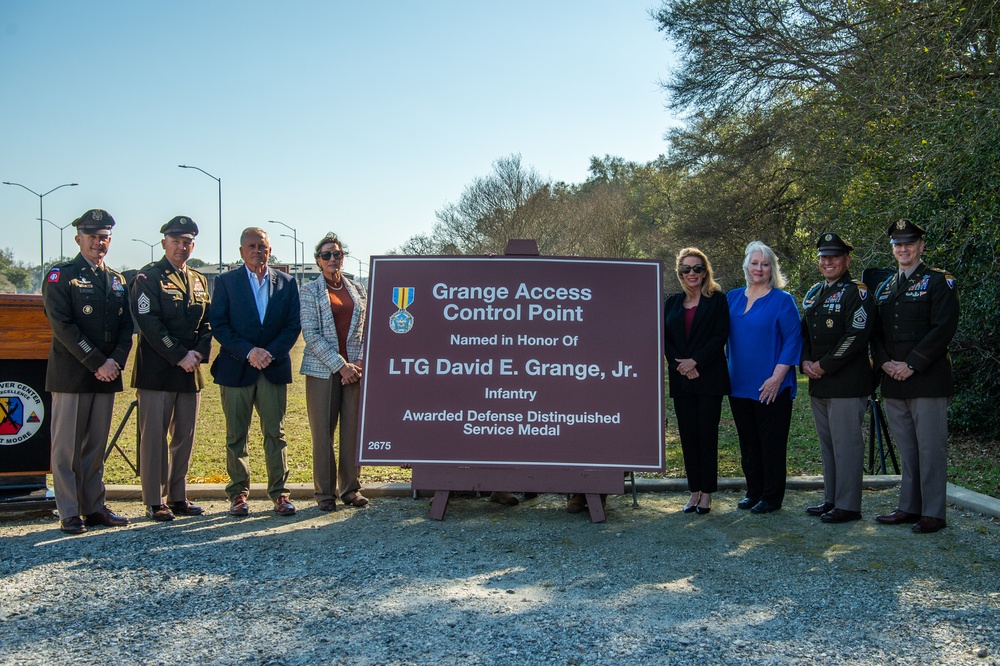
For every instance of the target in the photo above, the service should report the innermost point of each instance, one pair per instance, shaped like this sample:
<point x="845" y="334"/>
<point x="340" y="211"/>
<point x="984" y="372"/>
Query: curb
<point x="957" y="495"/>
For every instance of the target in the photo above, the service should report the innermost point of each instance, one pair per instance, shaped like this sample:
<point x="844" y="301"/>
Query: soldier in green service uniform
<point x="170" y="303"/>
<point x="917" y="318"/>
<point x="86" y="304"/>
<point x="837" y="320"/>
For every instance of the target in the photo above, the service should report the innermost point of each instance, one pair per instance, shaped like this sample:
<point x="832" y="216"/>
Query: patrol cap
<point x="830" y="244"/>
<point x="95" y="221"/>
<point x="904" y="231"/>
<point x="181" y="226"/>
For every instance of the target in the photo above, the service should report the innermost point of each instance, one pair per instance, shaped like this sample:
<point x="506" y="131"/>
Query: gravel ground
<point x="493" y="585"/>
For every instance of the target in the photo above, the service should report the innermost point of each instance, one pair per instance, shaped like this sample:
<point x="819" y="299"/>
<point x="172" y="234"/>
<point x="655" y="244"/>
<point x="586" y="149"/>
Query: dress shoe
<point x="186" y="508"/>
<point x="820" y="509"/>
<point x="357" y="500"/>
<point x="704" y="504"/>
<point x="160" y="512"/>
<point x="840" y="516"/>
<point x="897" y="517"/>
<point x="105" y="516"/>
<point x="747" y="503"/>
<point x="764" y="506"/>
<point x="505" y="498"/>
<point x="576" y="503"/>
<point x="928" y="525"/>
<point x="72" y="525"/>
<point x="327" y="504"/>
<point x="283" y="505"/>
<point x="692" y="503"/>
<point x="239" y="506"/>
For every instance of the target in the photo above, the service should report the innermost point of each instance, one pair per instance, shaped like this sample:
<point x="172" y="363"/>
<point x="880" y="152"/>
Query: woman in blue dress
<point x="765" y="345"/>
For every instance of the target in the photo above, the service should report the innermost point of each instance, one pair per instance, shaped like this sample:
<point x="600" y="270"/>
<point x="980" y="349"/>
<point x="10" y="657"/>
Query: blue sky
<point x="361" y="118"/>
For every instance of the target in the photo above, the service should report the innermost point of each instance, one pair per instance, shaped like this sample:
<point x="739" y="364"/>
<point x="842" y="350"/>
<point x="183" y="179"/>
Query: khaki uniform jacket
<point x="837" y="321"/>
<point x="90" y="319"/>
<point x="172" y="314"/>
<point x="915" y="324"/>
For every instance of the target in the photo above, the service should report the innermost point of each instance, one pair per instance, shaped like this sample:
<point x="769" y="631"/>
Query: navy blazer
<point x="706" y="345"/>
<point x="237" y="328"/>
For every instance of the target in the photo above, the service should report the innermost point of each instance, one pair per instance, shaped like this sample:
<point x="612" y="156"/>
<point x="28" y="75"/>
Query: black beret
<point x="94" y="220"/>
<point x="830" y="244"/>
<point x="180" y="226"/>
<point x="904" y="231"/>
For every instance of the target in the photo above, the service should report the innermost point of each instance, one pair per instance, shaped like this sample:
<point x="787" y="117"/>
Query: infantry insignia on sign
<point x="20" y="407"/>
<point x="401" y="321"/>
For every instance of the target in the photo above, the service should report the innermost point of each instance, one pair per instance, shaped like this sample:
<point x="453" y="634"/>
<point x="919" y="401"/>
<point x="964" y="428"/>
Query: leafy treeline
<point x="801" y="116"/>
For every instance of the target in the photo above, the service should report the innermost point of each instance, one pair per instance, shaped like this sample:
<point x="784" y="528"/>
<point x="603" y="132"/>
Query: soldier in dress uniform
<point x="86" y="304"/>
<point x="837" y="321"/>
<point x="917" y="318"/>
<point x="170" y="303"/>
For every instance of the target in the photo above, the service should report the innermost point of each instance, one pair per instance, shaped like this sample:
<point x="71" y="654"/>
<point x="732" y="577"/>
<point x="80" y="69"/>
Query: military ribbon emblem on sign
<point x="401" y="321"/>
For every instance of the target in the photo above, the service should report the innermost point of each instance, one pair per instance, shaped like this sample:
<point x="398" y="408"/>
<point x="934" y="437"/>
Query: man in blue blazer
<point x="255" y="319"/>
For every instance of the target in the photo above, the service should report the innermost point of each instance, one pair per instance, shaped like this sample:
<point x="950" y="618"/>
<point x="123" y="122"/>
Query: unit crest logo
<point x="21" y="413"/>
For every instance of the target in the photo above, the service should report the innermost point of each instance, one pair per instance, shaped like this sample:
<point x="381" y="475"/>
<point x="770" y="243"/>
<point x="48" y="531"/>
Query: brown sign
<point x="513" y="361"/>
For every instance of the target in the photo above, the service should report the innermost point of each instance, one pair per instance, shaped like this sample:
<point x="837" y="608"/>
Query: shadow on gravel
<point x="496" y="585"/>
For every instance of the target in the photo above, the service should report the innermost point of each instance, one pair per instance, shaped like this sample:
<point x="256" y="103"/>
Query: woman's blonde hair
<point x="708" y="286"/>
<point x="778" y="280"/>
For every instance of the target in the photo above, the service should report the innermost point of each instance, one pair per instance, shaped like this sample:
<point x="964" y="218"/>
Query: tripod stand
<point x="878" y="438"/>
<point x="113" y="444"/>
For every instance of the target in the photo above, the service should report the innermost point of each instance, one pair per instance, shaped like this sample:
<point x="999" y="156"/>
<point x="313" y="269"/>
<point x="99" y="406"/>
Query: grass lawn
<point x="972" y="464"/>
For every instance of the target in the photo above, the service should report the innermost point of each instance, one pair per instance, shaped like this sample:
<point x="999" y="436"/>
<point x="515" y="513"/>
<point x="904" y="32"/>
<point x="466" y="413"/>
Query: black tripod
<point x="113" y="444"/>
<point x="878" y="438"/>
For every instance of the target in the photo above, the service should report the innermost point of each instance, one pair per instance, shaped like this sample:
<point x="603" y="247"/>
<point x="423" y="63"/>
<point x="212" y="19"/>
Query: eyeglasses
<point x="336" y="254"/>
<point x="697" y="268"/>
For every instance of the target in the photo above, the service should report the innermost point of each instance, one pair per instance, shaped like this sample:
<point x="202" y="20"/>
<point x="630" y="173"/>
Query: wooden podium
<point x="25" y="407"/>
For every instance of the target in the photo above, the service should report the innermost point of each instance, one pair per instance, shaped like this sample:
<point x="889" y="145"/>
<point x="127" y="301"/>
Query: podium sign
<point x="513" y="362"/>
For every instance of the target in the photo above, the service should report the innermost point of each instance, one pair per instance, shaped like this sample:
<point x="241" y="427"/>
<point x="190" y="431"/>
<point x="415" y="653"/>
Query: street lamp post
<point x="301" y="244"/>
<point x="295" y="239"/>
<point x="41" y="225"/>
<point x="151" y="246"/>
<point x="219" y="181"/>
<point x="61" y="229"/>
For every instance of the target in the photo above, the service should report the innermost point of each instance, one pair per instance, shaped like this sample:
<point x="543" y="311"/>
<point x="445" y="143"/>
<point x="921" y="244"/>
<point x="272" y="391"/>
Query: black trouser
<point x="698" y="423"/>
<point x="763" y="431"/>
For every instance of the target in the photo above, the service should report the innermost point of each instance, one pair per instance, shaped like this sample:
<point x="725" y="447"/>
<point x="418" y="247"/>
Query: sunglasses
<point x="697" y="268"/>
<point x="336" y="254"/>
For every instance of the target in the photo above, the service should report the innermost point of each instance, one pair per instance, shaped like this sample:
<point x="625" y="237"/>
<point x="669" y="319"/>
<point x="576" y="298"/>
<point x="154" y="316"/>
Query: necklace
<point x="330" y="285"/>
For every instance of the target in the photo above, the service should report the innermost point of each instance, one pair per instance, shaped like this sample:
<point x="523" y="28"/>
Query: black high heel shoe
<point x="704" y="510"/>
<point x="691" y="508"/>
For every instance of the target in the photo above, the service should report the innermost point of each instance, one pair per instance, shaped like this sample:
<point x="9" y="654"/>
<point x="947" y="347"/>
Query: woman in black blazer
<point x="696" y="326"/>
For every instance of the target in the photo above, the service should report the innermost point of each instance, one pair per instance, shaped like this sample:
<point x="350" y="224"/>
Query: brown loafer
<point x="105" y="516"/>
<point x="186" y="508"/>
<point x="897" y="517"/>
<point x="327" y="504"/>
<point x="928" y="525"/>
<point x="357" y="500"/>
<point x="283" y="505"/>
<point x="72" y="525"/>
<point x="159" y="512"/>
<point x="239" y="506"/>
